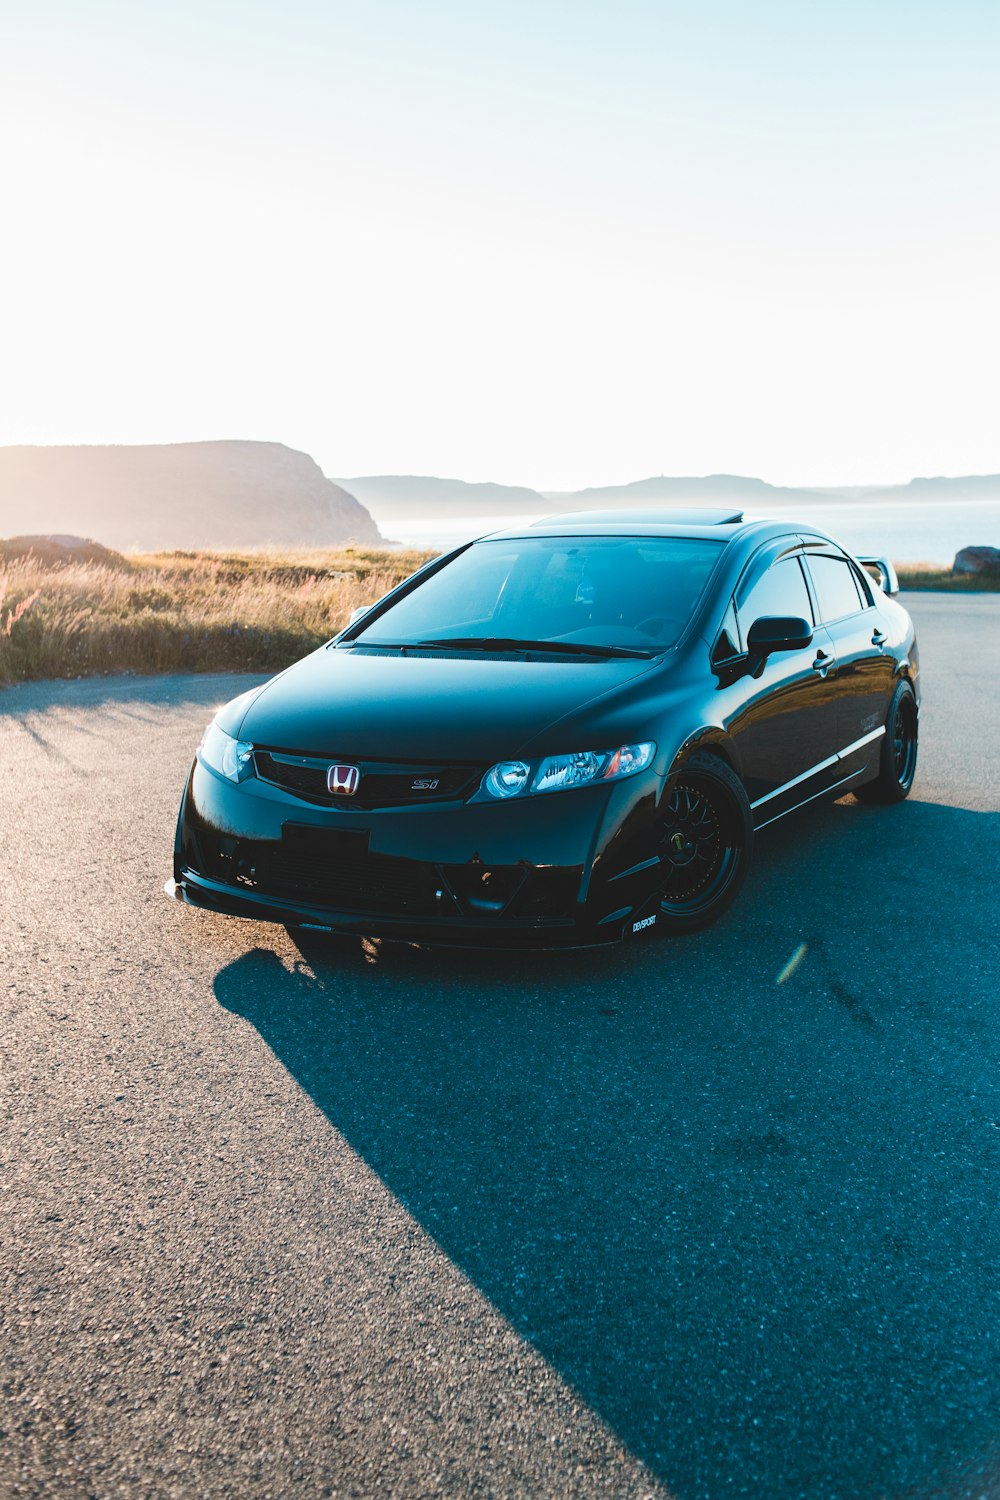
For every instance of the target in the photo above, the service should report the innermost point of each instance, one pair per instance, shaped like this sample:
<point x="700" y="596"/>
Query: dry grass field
<point x="933" y="576"/>
<point x="182" y="612"/>
<point x="210" y="611"/>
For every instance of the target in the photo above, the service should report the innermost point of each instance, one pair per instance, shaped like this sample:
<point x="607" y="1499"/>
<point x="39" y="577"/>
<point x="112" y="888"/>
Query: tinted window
<point x="780" y="591"/>
<point x="628" y="591"/>
<point x="864" y="586"/>
<point x="836" y="587"/>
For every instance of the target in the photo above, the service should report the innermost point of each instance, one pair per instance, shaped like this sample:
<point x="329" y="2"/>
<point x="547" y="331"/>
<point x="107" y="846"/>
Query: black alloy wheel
<point x="704" y="843"/>
<point x="898" y="760"/>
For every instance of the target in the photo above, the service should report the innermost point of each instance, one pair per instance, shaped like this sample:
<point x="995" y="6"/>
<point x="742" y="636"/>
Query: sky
<point x="543" y="243"/>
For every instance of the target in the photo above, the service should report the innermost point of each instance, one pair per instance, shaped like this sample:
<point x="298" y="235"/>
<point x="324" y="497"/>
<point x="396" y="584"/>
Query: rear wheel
<point x="704" y="841"/>
<point x="898" y="760"/>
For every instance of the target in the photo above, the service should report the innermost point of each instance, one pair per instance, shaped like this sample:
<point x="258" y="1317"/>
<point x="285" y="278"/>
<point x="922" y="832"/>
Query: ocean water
<point x="905" y="531"/>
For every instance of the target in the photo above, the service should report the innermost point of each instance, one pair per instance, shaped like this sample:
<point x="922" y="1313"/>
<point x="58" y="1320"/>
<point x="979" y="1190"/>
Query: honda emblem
<point x="342" y="781"/>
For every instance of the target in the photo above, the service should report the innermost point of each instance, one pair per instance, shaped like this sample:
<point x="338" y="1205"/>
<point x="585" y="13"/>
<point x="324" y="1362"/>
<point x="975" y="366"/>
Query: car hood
<point x="407" y="707"/>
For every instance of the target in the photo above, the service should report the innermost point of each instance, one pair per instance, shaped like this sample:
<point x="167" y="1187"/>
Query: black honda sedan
<point x="557" y="735"/>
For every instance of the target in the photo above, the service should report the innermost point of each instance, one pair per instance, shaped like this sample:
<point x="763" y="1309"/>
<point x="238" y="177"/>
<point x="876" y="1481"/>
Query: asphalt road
<point x="295" y="1216"/>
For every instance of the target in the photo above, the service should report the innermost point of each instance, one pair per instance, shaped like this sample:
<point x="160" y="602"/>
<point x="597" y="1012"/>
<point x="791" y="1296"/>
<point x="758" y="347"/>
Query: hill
<point x="963" y="487"/>
<point x="757" y="494"/>
<point x="400" y="498"/>
<point x="709" y="489"/>
<point x="408" y="496"/>
<point x="228" y="494"/>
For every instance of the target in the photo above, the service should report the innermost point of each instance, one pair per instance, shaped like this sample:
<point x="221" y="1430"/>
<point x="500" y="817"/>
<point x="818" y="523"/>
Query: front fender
<point x="711" y="737"/>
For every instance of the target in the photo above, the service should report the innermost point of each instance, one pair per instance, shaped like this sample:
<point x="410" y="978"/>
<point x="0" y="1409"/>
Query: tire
<point x="898" y="758"/>
<point x="705" y="842"/>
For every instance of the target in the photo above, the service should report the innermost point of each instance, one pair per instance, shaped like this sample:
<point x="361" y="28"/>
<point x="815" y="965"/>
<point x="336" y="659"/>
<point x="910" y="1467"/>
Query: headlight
<point x="232" y="758"/>
<point x="507" y="779"/>
<point x="512" y="778"/>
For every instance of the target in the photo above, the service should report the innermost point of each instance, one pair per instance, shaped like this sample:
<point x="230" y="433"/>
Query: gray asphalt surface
<point x="301" y="1216"/>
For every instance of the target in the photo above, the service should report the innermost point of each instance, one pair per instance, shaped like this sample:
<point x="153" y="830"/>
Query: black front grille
<point x="328" y="868"/>
<point x="382" y="784"/>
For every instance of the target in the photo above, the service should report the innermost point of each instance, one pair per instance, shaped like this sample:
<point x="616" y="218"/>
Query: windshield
<point x="633" y="593"/>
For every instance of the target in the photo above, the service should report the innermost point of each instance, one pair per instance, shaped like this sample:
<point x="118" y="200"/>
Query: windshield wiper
<point x="511" y="643"/>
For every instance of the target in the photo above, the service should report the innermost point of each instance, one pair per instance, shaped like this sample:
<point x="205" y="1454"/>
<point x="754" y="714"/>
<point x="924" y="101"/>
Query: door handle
<point x="823" y="663"/>
<point x="878" y="639"/>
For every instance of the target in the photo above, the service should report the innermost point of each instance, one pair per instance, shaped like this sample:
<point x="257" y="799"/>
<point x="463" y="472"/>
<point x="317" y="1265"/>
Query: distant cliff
<point x="663" y="489"/>
<point x="395" y="499"/>
<point x="738" y="489"/>
<point x="406" y="496"/>
<point x="179" y="495"/>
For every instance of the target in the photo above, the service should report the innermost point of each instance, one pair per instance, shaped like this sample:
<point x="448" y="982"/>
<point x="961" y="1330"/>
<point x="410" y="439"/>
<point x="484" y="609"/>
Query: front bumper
<point x="195" y="890"/>
<point x="562" y="870"/>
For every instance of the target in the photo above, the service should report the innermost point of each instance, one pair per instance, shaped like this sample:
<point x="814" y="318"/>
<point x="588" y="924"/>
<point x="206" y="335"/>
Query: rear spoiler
<point x="887" y="580"/>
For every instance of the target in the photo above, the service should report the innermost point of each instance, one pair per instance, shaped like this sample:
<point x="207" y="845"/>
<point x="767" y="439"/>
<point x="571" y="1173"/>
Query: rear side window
<point x="836" y="587"/>
<point x="864" y="586"/>
<point x="780" y="591"/>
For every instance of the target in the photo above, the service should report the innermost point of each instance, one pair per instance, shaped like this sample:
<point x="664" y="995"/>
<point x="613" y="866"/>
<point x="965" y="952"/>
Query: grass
<point x="215" y="612"/>
<point x="933" y="576"/>
<point x="183" y="611"/>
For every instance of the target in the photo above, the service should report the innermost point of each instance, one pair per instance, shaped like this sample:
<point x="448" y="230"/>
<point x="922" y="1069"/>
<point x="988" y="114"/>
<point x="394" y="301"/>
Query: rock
<point x="228" y="495"/>
<point x="977" y="560"/>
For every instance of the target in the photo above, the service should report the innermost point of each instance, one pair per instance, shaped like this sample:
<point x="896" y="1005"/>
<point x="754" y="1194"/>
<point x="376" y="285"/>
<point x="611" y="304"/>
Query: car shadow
<point x="738" y="1188"/>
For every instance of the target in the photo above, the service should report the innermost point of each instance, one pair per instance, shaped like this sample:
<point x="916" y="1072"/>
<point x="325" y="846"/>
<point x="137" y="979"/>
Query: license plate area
<point x="334" y="867"/>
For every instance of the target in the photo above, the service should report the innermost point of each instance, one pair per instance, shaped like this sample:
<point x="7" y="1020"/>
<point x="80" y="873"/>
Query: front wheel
<point x="898" y="760"/>
<point x="704" y="841"/>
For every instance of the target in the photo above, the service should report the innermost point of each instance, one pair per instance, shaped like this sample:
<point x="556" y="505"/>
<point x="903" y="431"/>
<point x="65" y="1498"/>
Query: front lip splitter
<point x="556" y="933"/>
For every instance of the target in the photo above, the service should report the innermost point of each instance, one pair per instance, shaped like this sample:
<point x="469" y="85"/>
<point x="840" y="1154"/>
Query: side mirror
<point x="778" y="633"/>
<point x="356" y="614"/>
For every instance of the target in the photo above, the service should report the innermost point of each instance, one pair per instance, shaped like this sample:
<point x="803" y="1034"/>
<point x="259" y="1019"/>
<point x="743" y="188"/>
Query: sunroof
<point x="652" y="515"/>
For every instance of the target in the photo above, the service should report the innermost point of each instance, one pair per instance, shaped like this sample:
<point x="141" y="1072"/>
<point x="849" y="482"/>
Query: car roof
<point x="699" y="522"/>
<point x="653" y="515"/>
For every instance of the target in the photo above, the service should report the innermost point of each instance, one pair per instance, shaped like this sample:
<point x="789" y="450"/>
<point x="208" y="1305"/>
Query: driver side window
<point x="780" y="591"/>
